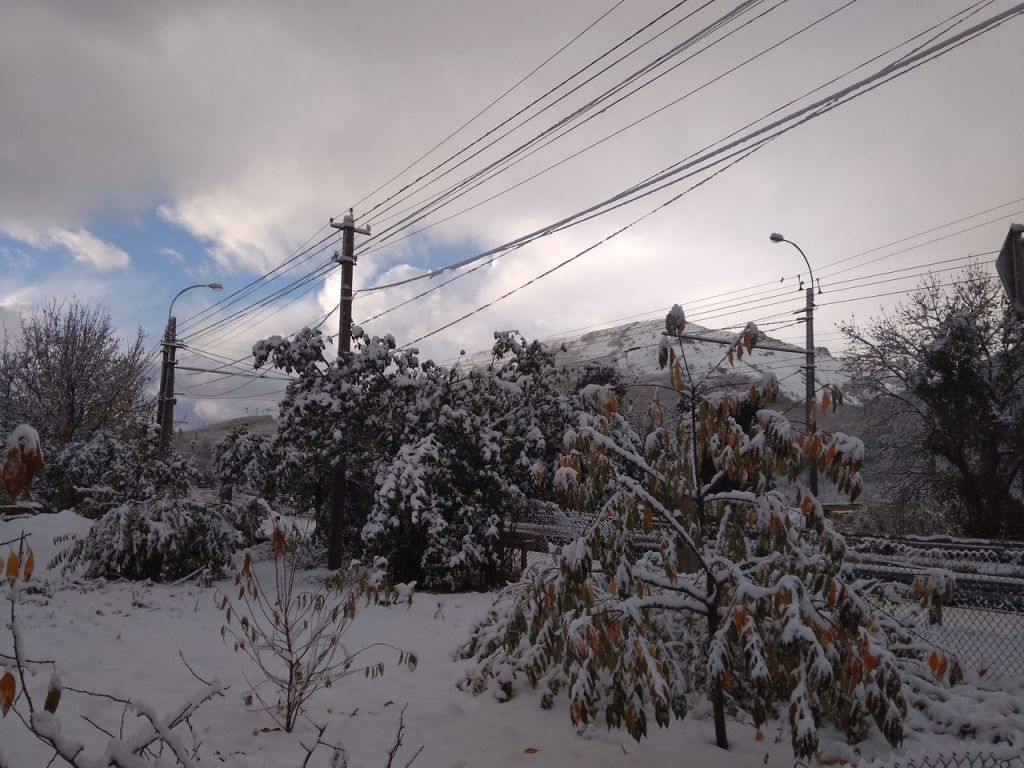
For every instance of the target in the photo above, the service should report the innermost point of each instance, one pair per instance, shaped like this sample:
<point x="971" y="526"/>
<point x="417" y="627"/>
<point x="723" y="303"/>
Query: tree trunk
<point x="717" y="694"/>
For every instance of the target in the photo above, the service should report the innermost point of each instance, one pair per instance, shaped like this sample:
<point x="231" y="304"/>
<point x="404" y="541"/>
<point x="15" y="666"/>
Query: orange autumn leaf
<point x="833" y="593"/>
<point x="6" y="692"/>
<point x="13" y="564"/>
<point x="531" y="750"/>
<point x="30" y="564"/>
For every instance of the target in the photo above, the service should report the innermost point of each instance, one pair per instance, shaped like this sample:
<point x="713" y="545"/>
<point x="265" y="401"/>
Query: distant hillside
<point x="198" y="443"/>
<point x="632" y="349"/>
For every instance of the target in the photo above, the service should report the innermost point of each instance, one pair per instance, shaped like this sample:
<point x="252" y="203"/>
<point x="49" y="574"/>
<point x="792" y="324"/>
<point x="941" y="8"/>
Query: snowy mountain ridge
<point x="632" y="349"/>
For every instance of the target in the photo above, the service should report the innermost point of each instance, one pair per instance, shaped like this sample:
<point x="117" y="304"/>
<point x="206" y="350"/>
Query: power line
<point x="667" y="177"/>
<point x="447" y="196"/>
<point x="253" y="285"/>
<point x="884" y="76"/>
<point x="615" y="133"/>
<point x="585" y="251"/>
<point x="273" y="296"/>
<point x="522" y="80"/>
<point x="920" y="245"/>
<point x="539" y="99"/>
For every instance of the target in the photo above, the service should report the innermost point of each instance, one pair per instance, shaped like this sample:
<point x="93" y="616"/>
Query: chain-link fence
<point x="958" y="760"/>
<point x="965" y="597"/>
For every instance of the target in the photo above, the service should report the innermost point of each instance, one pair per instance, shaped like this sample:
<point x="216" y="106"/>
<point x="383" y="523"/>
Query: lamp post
<point x="809" y="368"/>
<point x="165" y="400"/>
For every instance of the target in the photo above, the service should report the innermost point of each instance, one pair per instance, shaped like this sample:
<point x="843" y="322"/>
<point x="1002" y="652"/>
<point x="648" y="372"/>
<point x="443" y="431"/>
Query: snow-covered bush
<point x="22" y="460"/>
<point x="247" y="517"/>
<point x="698" y="574"/>
<point x="94" y="475"/>
<point x="243" y="458"/>
<point x="437" y="468"/>
<point x="163" y="539"/>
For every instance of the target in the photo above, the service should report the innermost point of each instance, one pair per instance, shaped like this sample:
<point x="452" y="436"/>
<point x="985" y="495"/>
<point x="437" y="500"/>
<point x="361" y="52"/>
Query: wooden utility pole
<point x="339" y="485"/>
<point x="809" y="381"/>
<point x="167" y="401"/>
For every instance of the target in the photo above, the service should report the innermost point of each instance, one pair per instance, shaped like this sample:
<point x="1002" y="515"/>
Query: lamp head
<point x="215" y="286"/>
<point x="775" y="237"/>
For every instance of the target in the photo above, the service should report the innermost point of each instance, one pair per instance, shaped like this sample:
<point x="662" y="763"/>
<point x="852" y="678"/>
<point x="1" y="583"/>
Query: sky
<point x="146" y="147"/>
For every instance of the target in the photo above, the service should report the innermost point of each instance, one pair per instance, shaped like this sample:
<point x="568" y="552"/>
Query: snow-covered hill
<point x="633" y="350"/>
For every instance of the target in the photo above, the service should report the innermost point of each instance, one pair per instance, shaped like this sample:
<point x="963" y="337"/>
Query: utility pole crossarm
<point x="347" y="259"/>
<point x="726" y="342"/>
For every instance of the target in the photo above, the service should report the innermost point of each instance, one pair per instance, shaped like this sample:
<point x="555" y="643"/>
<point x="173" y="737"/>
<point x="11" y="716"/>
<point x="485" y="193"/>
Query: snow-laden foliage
<point x="22" y="460"/>
<point x="163" y="539"/>
<point x="438" y="468"/>
<point x="243" y="458"/>
<point x="94" y="475"/>
<point x="248" y="517"/>
<point x="697" y="574"/>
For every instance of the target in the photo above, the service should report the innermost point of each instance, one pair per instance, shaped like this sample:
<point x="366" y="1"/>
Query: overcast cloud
<point x="245" y="125"/>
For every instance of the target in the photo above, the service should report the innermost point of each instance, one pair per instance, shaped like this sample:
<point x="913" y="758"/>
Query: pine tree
<point x="440" y="466"/>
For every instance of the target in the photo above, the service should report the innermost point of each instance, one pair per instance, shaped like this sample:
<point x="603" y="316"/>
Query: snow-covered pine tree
<point x="243" y="458"/>
<point x="445" y="503"/>
<point x="439" y="467"/>
<point x="358" y="407"/>
<point x="698" y="574"/>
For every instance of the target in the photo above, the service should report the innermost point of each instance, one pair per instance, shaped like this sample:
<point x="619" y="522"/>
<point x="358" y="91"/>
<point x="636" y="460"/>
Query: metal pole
<point x="809" y="379"/>
<point x="339" y="484"/>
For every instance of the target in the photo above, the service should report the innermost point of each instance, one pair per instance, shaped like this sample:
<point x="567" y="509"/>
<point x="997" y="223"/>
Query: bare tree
<point x="69" y="374"/>
<point x="943" y="381"/>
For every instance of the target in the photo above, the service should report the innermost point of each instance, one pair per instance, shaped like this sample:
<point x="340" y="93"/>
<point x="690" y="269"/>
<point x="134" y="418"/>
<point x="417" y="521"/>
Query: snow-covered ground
<point x="125" y="638"/>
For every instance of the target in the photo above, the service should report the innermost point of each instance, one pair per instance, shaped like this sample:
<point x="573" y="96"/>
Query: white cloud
<point x="172" y="254"/>
<point x="86" y="248"/>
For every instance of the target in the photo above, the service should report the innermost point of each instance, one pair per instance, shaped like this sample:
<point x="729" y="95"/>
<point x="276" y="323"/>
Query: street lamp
<point x="214" y="286"/>
<point x="809" y="386"/>
<point x="165" y="400"/>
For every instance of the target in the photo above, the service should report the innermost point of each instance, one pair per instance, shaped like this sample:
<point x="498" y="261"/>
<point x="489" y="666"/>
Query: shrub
<point x="95" y="475"/>
<point x="243" y="458"/>
<point x="293" y="635"/>
<point x="695" y="553"/>
<point x="248" y="518"/>
<point x="162" y="539"/>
